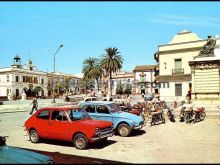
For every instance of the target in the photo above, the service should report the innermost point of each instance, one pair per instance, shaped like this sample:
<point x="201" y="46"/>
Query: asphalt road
<point x="164" y="143"/>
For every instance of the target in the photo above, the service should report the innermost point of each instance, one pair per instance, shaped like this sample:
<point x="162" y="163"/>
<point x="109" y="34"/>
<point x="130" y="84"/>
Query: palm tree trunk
<point x="110" y="83"/>
<point x="97" y="80"/>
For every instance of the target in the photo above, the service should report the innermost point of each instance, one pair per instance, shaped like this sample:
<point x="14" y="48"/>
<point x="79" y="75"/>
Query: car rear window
<point x="44" y="115"/>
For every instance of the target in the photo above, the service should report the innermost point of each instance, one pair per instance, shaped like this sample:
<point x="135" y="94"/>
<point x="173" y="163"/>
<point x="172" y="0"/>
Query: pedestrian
<point x="188" y="97"/>
<point x="35" y="105"/>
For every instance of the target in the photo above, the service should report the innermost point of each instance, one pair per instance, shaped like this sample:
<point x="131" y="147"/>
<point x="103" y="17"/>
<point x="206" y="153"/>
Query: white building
<point x="18" y="80"/>
<point x="144" y="79"/>
<point x="174" y="71"/>
<point x="123" y="78"/>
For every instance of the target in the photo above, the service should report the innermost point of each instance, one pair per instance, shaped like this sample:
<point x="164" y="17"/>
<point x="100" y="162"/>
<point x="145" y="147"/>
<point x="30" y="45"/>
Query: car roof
<point x="66" y="107"/>
<point x="97" y="102"/>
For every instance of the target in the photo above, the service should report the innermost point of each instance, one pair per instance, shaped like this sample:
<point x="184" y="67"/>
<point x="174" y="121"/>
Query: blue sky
<point x="87" y="28"/>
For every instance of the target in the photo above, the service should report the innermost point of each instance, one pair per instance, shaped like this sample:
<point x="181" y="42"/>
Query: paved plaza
<point x="165" y="143"/>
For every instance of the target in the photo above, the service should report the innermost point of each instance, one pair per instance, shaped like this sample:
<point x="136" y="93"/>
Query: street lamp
<point x="54" y="72"/>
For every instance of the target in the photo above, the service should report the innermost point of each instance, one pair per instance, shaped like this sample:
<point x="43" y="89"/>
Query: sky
<point x="86" y="29"/>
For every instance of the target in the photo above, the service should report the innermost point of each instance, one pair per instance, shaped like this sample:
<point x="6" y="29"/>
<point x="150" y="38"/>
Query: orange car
<point x="67" y="124"/>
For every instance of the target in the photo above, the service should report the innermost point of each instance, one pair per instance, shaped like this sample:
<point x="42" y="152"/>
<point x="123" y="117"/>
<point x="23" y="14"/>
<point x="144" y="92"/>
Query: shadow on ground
<point x="60" y="158"/>
<point x="96" y="145"/>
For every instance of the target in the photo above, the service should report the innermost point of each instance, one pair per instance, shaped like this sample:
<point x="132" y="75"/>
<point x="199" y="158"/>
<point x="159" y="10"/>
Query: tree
<point x="111" y="62"/>
<point x="92" y="69"/>
<point x="37" y="89"/>
<point x="128" y="89"/>
<point x="119" y="89"/>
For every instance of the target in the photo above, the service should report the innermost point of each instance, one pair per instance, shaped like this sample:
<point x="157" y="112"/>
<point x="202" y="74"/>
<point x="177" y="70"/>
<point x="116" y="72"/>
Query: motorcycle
<point x="199" y="114"/>
<point x="157" y="116"/>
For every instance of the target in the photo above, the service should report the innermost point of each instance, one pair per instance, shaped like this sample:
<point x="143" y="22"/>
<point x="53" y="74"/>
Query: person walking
<point x="35" y="105"/>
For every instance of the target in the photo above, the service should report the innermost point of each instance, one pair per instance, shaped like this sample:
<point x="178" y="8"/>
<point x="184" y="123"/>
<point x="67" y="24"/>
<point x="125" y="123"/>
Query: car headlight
<point x="97" y="131"/>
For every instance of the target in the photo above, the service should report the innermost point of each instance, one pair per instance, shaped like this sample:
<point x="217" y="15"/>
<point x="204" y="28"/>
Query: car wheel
<point x="34" y="137"/>
<point x="124" y="130"/>
<point x="80" y="141"/>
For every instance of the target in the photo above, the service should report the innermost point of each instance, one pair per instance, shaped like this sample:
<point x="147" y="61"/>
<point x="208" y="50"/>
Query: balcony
<point x="177" y="71"/>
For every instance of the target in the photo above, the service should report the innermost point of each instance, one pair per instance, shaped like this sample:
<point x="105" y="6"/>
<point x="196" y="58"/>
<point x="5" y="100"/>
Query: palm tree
<point x="111" y="62"/>
<point x="92" y="69"/>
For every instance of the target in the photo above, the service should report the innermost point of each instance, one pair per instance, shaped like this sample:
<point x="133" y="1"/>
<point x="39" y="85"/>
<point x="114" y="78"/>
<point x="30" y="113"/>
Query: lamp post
<point x="54" y="72"/>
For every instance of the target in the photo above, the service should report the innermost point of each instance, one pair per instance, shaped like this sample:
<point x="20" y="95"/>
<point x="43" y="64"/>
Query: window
<point x="178" y="89"/>
<point x="59" y="116"/>
<point x="17" y="79"/>
<point x="164" y="85"/>
<point x="168" y="85"/>
<point x="42" y="81"/>
<point x="7" y="78"/>
<point x="44" y="115"/>
<point x="178" y="63"/>
<point x="102" y="109"/>
<point x="89" y="108"/>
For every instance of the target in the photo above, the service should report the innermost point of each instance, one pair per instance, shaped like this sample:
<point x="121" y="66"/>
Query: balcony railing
<point x="177" y="71"/>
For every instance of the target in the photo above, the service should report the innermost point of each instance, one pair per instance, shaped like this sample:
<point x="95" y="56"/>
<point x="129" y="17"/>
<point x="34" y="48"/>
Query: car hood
<point x="96" y="123"/>
<point x="10" y="154"/>
<point x="127" y="115"/>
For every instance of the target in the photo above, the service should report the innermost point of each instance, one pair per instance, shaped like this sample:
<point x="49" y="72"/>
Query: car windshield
<point x="78" y="114"/>
<point x="114" y="108"/>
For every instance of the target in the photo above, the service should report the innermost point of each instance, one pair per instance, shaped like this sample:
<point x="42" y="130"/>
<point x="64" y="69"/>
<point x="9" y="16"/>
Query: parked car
<point x="15" y="155"/>
<point x="124" y="122"/>
<point x="68" y="124"/>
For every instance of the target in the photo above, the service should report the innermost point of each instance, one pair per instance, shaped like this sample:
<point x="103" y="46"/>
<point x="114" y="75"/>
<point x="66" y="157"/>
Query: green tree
<point x="128" y="89"/>
<point x="111" y="62"/>
<point x="119" y="89"/>
<point x="92" y="69"/>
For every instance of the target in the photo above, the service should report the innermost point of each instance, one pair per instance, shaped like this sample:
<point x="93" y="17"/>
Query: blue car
<point x="124" y="123"/>
<point x="148" y="97"/>
<point x="15" y="155"/>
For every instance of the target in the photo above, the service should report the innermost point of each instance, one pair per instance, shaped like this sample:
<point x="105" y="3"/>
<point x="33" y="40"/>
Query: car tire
<point x="124" y="130"/>
<point x="80" y="141"/>
<point x="34" y="136"/>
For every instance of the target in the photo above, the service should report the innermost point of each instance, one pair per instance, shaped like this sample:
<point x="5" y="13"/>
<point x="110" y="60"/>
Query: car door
<point x="103" y="113"/>
<point x="58" y="125"/>
<point x="42" y="123"/>
<point x="90" y="109"/>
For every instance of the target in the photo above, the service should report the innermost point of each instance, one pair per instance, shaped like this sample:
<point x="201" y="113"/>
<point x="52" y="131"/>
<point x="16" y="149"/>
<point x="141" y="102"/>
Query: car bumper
<point x="140" y="126"/>
<point x="103" y="136"/>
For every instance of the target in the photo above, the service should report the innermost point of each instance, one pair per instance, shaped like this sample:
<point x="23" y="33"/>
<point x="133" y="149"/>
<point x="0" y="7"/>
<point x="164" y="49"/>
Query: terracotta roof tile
<point x="144" y="67"/>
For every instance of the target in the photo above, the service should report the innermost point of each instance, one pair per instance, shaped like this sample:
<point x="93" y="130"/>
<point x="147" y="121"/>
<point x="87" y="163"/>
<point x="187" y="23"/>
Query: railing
<point x="177" y="71"/>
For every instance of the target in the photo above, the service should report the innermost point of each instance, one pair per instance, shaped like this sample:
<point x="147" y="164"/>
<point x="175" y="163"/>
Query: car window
<point x="58" y="116"/>
<point x="44" y="115"/>
<point x="89" y="108"/>
<point x="77" y="114"/>
<point x="114" y="107"/>
<point x="102" y="109"/>
<point x="94" y="99"/>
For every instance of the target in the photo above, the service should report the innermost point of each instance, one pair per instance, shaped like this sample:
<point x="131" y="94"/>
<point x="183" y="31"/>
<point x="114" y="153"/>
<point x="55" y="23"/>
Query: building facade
<point x="144" y="79"/>
<point x="19" y="80"/>
<point x="174" y="71"/>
